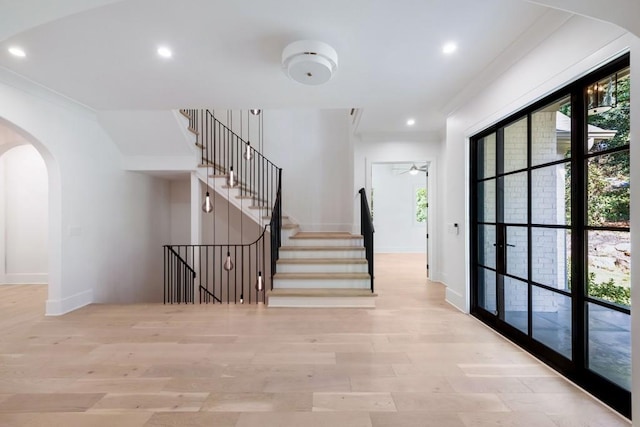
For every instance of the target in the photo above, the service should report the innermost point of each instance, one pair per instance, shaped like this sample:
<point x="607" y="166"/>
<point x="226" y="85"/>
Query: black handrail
<point x="366" y="228"/>
<point x="208" y="294"/>
<point x="214" y="282"/>
<point x="178" y="278"/>
<point x="276" y="228"/>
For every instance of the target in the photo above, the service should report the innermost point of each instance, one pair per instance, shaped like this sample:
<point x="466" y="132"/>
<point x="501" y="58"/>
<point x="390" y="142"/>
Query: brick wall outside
<point x="548" y="246"/>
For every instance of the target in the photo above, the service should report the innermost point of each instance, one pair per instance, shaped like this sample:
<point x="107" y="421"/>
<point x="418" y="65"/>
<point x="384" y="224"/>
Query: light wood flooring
<point x="412" y="361"/>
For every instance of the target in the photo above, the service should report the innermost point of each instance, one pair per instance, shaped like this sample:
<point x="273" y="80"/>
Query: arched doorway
<point x="31" y="222"/>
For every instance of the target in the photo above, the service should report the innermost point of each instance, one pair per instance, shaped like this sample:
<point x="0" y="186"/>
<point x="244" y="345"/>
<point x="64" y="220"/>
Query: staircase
<point x="322" y="270"/>
<point x="311" y="269"/>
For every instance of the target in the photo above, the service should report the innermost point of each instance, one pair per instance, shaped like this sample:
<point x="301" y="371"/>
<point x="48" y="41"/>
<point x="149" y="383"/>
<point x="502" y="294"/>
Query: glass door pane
<point x="516" y="303"/>
<point x="552" y="320"/>
<point x="514" y="193"/>
<point x="610" y="344"/>
<point x="486" y="292"/>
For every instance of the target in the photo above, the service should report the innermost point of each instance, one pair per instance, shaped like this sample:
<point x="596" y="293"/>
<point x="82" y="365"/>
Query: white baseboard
<point x="399" y="250"/>
<point x="25" y="279"/>
<point x="456" y="299"/>
<point x="68" y="304"/>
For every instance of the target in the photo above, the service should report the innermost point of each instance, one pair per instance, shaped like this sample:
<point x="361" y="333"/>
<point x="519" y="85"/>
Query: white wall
<point x="180" y="211"/>
<point x="394" y="203"/>
<point x="403" y="148"/>
<point x="315" y="152"/>
<point x="25" y="213"/>
<point x="106" y="226"/>
<point x="214" y="225"/>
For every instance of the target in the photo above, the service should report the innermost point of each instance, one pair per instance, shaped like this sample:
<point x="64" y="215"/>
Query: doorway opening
<point x="30" y="214"/>
<point x="23" y="211"/>
<point x="399" y="199"/>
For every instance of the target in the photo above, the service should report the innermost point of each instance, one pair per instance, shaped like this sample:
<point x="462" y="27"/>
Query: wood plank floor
<point x="412" y="361"/>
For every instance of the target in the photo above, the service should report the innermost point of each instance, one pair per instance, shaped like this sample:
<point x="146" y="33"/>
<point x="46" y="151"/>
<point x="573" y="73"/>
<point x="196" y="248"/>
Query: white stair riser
<point x="293" y="254"/>
<point x="324" y="302"/>
<point x="323" y="268"/>
<point x="288" y="232"/>
<point x="321" y="283"/>
<point x="326" y="242"/>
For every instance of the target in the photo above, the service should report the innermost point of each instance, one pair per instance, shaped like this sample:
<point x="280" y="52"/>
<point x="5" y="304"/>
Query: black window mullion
<point x="500" y="229"/>
<point x="578" y="232"/>
<point x="529" y="231"/>
<point x="474" y="182"/>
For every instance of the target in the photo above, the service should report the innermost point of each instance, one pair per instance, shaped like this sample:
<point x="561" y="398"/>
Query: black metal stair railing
<point x="259" y="179"/>
<point x="276" y="228"/>
<point x="214" y="283"/>
<point x="222" y="149"/>
<point x="366" y="228"/>
<point x="179" y="278"/>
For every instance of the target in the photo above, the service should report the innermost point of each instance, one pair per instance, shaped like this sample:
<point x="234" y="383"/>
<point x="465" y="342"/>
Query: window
<point x="421" y="205"/>
<point x="550" y="218"/>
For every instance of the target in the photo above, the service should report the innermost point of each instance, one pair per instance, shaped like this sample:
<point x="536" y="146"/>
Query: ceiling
<point x="226" y="54"/>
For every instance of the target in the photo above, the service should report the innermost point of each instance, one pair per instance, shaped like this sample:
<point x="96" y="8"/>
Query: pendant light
<point x="207" y="206"/>
<point x="232" y="181"/>
<point x="601" y="96"/>
<point x="248" y="153"/>
<point x="228" y="263"/>
<point x="255" y="111"/>
<point x="259" y="282"/>
<point x="241" y="298"/>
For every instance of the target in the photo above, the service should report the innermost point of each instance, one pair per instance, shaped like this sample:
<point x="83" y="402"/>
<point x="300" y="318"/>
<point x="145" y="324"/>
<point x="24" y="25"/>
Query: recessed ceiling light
<point x="411" y="122"/>
<point x="16" y="51"/>
<point x="449" y="48"/>
<point x="164" y="52"/>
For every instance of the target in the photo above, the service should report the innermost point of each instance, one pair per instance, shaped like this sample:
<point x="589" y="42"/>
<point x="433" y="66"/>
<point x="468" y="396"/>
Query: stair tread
<point x="327" y="276"/>
<point x="289" y="226"/>
<point x="322" y="292"/>
<point x="239" y="186"/>
<point x="250" y="198"/>
<point x="210" y="165"/>
<point x="325" y="235"/>
<point x="322" y="248"/>
<point x="322" y="261"/>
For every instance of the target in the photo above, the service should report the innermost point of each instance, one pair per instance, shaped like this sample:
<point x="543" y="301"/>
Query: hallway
<point x="412" y="361"/>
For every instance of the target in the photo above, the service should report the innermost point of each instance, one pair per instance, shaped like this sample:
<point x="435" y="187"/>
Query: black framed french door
<point x="550" y="231"/>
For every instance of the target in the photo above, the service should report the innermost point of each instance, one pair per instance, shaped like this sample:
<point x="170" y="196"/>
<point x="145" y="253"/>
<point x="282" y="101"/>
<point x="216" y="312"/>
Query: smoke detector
<point x="309" y="62"/>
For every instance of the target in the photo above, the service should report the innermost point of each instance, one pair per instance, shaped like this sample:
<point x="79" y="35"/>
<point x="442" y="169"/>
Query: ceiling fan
<point x="415" y="170"/>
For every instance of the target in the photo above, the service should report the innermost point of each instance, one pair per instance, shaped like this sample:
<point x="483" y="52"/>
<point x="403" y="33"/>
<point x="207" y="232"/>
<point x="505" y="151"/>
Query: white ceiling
<point x="227" y="54"/>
